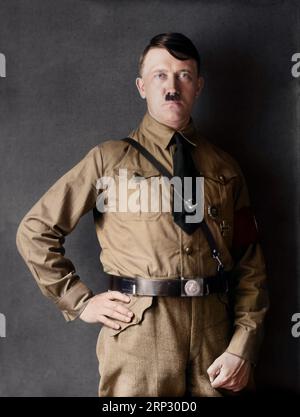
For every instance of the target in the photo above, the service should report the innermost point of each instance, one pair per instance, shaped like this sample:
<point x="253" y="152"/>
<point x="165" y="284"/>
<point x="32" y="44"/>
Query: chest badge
<point x="213" y="212"/>
<point x="225" y="228"/>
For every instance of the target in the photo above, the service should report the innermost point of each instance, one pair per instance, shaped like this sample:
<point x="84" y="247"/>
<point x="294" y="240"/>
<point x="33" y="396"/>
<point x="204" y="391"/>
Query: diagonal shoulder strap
<point x="149" y="156"/>
<point x="206" y="230"/>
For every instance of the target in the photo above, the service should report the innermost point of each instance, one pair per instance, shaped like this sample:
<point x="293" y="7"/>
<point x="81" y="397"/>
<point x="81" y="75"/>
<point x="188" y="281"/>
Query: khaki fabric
<point x="146" y="244"/>
<point x="166" y="350"/>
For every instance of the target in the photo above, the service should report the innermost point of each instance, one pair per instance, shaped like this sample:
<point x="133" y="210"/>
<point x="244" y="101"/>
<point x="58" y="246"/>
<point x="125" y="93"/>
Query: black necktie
<point x="183" y="166"/>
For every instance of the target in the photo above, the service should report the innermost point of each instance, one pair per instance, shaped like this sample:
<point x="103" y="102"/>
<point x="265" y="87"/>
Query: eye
<point x="184" y="76"/>
<point x="161" y="76"/>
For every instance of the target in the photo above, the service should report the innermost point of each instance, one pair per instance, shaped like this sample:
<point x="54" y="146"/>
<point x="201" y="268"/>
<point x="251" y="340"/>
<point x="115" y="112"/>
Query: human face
<point x="162" y="76"/>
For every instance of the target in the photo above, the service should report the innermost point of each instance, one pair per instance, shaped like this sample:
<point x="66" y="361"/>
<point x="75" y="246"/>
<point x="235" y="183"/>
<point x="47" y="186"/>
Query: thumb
<point x="213" y="370"/>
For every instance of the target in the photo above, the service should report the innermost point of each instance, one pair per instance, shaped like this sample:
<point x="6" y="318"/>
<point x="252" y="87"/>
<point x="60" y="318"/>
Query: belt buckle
<point x="192" y="287"/>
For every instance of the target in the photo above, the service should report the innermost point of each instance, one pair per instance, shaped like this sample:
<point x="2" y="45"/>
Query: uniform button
<point x="221" y="178"/>
<point x="188" y="250"/>
<point x="213" y="211"/>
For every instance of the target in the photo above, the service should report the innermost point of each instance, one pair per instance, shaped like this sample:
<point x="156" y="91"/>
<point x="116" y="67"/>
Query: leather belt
<point x="183" y="287"/>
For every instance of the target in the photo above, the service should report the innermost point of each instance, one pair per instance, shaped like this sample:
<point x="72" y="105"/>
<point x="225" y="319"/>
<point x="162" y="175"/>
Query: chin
<point x="174" y="116"/>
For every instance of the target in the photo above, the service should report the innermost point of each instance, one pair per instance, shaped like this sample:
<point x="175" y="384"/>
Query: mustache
<point x="174" y="97"/>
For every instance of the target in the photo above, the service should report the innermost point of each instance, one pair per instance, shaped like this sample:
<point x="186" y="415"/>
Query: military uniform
<point x="171" y="341"/>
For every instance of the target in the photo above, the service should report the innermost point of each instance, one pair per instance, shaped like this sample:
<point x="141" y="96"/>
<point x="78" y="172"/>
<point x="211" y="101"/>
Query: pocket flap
<point x="138" y="172"/>
<point x="223" y="176"/>
<point x="138" y="305"/>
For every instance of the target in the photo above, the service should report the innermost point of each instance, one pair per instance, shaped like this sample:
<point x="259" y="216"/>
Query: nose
<point x="172" y="86"/>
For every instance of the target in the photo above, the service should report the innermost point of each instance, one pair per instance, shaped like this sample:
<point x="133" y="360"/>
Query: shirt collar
<point x="162" y="134"/>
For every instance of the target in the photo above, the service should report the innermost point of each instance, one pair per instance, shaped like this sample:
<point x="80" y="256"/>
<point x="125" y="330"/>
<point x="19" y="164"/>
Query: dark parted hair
<point x="177" y="44"/>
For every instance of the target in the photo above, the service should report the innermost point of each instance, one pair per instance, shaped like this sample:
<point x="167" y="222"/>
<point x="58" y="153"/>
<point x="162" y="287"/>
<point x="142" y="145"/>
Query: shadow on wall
<point x="243" y="112"/>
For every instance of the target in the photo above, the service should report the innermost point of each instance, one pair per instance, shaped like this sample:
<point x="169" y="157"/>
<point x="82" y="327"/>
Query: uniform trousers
<point x="166" y="349"/>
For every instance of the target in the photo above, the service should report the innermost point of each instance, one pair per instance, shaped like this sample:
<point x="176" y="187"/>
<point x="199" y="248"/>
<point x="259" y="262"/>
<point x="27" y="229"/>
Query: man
<point x="152" y="342"/>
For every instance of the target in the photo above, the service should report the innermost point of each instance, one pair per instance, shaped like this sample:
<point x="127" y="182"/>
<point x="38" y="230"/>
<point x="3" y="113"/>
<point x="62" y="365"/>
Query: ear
<point x="140" y="86"/>
<point x="200" y="84"/>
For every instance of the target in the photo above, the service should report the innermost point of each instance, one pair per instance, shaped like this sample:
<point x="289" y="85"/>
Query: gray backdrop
<point x="71" y="68"/>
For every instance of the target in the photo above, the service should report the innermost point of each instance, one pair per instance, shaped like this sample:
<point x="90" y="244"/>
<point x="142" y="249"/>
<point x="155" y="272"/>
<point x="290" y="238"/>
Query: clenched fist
<point x="230" y="372"/>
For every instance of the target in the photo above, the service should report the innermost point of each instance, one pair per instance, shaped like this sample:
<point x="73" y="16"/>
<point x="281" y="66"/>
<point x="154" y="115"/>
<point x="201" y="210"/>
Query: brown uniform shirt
<point x="150" y="244"/>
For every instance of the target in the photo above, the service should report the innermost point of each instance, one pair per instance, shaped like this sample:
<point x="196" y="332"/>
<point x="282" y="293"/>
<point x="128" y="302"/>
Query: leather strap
<point x="149" y="156"/>
<point x="184" y="287"/>
<point x="205" y="229"/>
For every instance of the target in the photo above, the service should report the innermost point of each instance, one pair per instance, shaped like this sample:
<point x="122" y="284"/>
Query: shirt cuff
<point x="74" y="301"/>
<point x="245" y="344"/>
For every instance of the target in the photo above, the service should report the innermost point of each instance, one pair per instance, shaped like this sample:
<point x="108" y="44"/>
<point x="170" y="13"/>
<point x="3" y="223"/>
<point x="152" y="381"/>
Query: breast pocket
<point x="138" y="194"/>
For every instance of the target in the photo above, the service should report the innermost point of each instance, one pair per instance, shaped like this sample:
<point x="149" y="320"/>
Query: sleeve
<point x="41" y="234"/>
<point x="250" y="298"/>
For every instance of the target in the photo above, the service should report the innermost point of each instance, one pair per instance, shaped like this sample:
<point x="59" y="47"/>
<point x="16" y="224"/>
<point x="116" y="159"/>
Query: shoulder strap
<point x="206" y="230"/>
<point x="149" y="156"/>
